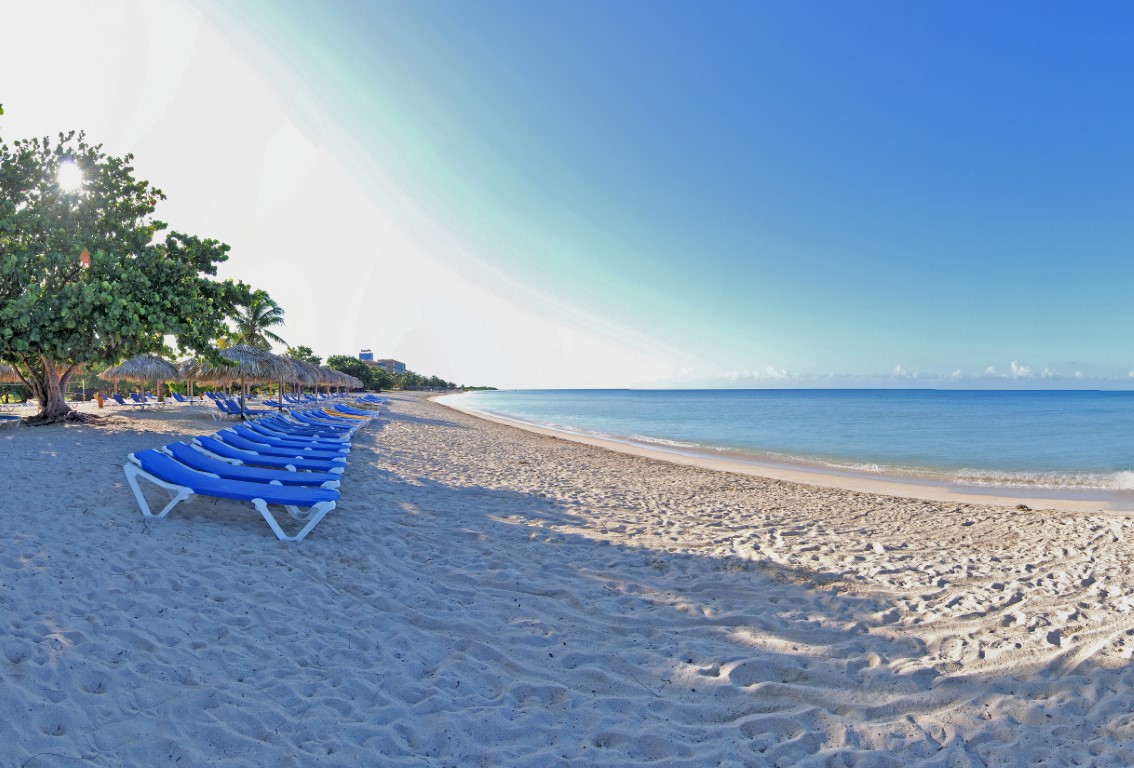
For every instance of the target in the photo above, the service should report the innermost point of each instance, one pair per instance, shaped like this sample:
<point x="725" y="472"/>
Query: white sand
<point x="485" y="596"/>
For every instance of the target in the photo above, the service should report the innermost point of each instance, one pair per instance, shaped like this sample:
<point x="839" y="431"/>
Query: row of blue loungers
<point x="293" y="460"/>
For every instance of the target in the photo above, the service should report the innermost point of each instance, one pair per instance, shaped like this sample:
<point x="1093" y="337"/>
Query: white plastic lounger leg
<point x="312" y="516"/>
<point x="177" y="493"/>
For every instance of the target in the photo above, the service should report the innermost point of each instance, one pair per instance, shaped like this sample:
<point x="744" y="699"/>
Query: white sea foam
<point x="664" y="441"/>
<point x="1123" y="481"/>
<point x="1049" y="480"/>
<point x="872" y="468"/>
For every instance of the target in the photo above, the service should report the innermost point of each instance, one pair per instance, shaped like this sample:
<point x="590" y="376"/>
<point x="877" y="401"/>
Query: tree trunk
<point x="47" y="383"/>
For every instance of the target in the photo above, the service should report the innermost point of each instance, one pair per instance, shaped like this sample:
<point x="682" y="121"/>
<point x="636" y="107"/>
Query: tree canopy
<point x="374" y="377"/>
<point x="254" y="317"/>
<point x="306" y="354"/>
<point x="352" y="366"/>
<point x="83" y="275"/>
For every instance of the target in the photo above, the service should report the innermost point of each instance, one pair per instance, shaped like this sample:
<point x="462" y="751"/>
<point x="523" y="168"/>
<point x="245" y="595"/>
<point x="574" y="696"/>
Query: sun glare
<point x="70" y="177"/>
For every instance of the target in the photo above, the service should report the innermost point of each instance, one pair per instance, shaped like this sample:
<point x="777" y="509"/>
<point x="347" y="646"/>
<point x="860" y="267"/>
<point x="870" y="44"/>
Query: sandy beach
<point x="487" y="596"/>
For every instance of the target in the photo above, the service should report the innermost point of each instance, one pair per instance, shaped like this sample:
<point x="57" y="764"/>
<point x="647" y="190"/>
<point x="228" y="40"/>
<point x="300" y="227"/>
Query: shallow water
<point x="1039" y="440"/>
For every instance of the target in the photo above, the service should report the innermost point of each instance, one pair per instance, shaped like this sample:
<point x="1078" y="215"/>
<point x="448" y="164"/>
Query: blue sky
<point x="691" y="194"/>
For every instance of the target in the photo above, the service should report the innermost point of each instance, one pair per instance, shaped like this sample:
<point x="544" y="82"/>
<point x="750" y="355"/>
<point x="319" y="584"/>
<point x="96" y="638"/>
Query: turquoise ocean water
<point x="1078" y="442"/>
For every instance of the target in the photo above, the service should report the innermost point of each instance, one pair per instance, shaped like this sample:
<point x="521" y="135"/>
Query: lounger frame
<point x="180" y="493"/>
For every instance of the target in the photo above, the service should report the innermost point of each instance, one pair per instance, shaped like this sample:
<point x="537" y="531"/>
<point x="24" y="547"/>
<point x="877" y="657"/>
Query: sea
<point x="1077" y="444"/>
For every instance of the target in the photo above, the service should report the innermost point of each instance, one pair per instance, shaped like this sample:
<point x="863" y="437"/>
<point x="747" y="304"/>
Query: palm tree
<point x="254" y="318"/>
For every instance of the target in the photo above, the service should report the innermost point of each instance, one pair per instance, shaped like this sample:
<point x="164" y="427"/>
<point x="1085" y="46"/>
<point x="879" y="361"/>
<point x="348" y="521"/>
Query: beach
<point x="490" y="596"/>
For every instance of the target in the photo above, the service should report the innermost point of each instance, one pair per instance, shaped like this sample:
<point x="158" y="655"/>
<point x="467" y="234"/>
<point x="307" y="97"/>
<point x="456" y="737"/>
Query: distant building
<point x="390" y="366"/>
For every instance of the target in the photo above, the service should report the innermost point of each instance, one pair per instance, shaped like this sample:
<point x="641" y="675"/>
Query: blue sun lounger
<point x="223" y="450"/>
<point x="282" y="424"/>
<point x="352" y="411"/>
<point x="307" y="505"/>
<point x="288" y="444"/>
<point x="315" y="441"/>
<point x="147" y="400"/>
<point x="325" y="421"/>
<point x="238" y="441"/>
<point x="224" y="407"/>
<point x="329" y="413"/>
<point x="202" y="462"/>
<point x="122" y="401"/>
<point x="234" y="406"/>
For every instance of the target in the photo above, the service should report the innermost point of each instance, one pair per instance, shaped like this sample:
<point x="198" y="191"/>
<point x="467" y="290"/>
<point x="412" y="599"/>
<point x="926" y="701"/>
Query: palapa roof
<point x="305" y="373"/>
<point x="257" y="364"/>
<point x="196" y="369"/>
<point x="142" y="368"/>
<point x="260" y="365"/>
<point x="8" y="374"/>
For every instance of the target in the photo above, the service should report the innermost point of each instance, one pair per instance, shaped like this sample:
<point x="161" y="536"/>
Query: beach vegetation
<point x="381" y="379"/>
<point x="88" y="276"/>
<point x="14" y="393"/>
<point x="253" y="320"/>
<point x="304" y="354"/>
<point x="376" y="378"/>
<point x="352" y="366"/>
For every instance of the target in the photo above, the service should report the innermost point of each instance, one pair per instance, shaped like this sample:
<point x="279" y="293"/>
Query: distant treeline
<point x="378" y="378"/>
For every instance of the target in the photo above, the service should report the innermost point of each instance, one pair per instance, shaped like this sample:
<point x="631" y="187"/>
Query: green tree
<point x="353" y="366"/>
<point x="83" y="277"/>
<point x="381" y="379"/>
<point x="305" y="354"/>
<point x="409" y="380"/>
<point x="254" y="317"/>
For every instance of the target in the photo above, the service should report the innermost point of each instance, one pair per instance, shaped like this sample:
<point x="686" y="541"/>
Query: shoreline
<point x="840" y="480"/>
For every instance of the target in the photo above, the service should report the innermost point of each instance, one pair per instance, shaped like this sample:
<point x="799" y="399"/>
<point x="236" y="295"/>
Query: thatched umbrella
<point x="325" y="375"/>
<point x="255" y="364"/>
<point x="186" y="370"/>
<point x="296" y="374"/>
<point x="334" y="378"/>
<point x="195" y="369"/>
<point x="312" y="374"/>
<point x="142" y="368"/>
<point x="305" y="373"/>
<point x="9" y="375"/>
<point x="344" y="380"/>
